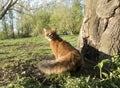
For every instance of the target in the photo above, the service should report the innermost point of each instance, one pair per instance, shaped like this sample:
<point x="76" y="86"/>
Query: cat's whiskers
<point x="49" y="39"/>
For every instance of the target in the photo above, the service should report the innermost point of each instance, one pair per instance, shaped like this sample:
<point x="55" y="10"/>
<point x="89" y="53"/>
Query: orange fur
<point x="66" y="56"/>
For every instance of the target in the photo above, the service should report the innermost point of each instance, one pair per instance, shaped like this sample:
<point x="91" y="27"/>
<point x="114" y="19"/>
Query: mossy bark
<point x="99" y="36"/>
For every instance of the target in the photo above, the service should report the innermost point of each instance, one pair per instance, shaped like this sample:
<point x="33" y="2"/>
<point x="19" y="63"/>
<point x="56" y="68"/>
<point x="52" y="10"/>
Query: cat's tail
<point x="53" y="67"/>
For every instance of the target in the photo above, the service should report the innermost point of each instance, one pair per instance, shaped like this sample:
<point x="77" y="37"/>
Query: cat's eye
<point x="50" y="34"/>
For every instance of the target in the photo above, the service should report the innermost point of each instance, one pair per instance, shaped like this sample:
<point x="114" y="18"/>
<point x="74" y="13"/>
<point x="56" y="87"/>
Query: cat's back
<point x="63" y="45"/>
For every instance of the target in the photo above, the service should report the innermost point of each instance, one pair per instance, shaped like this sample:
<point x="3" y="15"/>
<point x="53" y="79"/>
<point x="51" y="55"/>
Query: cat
<point x="67" y="58"/>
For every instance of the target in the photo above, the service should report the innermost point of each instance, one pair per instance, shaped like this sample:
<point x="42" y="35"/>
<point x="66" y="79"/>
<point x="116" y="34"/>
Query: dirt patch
<point x="20" y="68"/>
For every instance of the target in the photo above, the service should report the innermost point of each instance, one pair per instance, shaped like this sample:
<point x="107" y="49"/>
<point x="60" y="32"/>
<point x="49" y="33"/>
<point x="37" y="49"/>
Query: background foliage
<point x="28" y="18"/>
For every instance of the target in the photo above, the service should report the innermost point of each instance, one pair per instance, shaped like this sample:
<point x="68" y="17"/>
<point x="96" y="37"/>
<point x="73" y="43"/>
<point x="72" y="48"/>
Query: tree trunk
<point x="5" y="28"/>
<point x="11" y="24"/>
<point x="99" y="36"/>
<point x="6" y="5"/>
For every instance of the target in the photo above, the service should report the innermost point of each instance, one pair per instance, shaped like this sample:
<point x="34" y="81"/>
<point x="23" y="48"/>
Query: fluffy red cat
<point x="66" y="56"/>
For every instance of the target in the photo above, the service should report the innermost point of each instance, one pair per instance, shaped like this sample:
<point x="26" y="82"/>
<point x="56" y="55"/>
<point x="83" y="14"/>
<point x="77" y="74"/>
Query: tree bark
<point x="99" y="36"/>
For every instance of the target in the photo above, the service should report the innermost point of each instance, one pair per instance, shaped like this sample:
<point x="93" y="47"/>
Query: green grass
<point x="19" y="57"/>
<point x="15" y="53"/>
<point x="28" y="47"/>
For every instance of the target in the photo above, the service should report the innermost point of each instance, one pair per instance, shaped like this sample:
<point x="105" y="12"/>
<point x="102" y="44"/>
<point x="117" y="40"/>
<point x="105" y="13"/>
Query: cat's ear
<point x="44" y="30"/>
<point x="53" y="29"/>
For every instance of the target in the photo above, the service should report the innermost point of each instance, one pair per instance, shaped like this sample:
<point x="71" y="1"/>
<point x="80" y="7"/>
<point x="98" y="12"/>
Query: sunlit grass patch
<point x="20" y="56"/>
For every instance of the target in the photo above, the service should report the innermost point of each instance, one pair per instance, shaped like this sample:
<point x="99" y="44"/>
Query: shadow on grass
<point x="28" y="69"/>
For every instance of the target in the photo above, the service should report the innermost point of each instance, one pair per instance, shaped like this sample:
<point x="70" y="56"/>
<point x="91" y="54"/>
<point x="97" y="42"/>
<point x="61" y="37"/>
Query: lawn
<point x="19" y="57"/>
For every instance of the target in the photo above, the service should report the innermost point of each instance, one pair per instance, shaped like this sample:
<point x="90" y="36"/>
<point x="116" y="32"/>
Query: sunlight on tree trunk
<point x="99" y="36"/>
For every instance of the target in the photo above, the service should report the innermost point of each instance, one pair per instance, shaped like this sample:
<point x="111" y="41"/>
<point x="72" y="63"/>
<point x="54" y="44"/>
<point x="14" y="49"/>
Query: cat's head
<point x="50" y="34"/>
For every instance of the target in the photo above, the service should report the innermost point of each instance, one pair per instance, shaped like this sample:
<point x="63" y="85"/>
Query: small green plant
<point x="110" y="69"/>
<point x="100" y="66"/>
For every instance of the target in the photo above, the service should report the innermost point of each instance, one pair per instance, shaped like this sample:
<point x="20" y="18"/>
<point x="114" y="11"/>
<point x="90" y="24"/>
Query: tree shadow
<point x="91" y="53"/>
<point x="92" y="57"/>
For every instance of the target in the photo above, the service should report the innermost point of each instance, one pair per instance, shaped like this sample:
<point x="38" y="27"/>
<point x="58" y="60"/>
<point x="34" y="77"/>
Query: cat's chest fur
<point x="55" y="47"/>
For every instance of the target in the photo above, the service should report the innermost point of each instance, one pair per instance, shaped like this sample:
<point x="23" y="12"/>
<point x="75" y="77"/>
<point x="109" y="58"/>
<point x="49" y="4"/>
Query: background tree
<point x="24" y="19"/>
<point x="5" y="5"/>
<point x="75" y="16"/>
<point x="67" y="16"/>
<point x="6" y="17"/>
<point x="11" y="16"/>
<point x="28" y="18"/>
<point x="100" y="32"/>
<point x="59" y="17"/>
<point x="40" y="20"/>
<point x="4" y="34"/>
